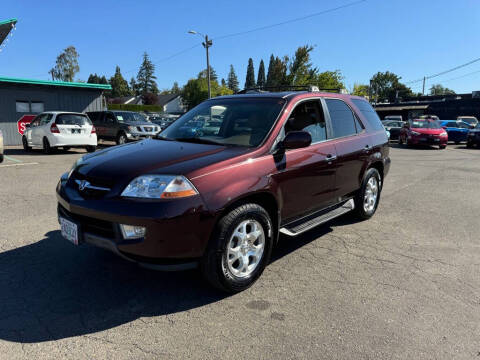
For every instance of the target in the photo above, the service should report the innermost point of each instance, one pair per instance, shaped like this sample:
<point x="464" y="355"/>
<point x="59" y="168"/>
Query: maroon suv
<point x="220" y="184"/>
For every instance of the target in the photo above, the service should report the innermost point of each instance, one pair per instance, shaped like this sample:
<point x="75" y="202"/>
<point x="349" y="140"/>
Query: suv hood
<point x="124" y="163"/>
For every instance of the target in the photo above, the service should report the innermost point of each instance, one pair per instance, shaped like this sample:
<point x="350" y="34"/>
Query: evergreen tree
<point x="213" y="74"/>
<point x="223" y="82"/>
<point x="175" y="88"/>
<point x="103" y="80"/>
<point x="271" y="65"/>
<point x="250" y="78"/>
<point x="146" y="78"/>
<point x="119" y="84"/>
<point x="133" y="87"/>
<point x="261" y="75"/>
<point x="93" y="79"/>
<point x="232" y="80"/>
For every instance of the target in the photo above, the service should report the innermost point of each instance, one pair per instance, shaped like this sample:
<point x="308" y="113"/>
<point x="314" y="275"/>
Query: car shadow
<point x="36" y="152"/>
<point x="53" y="290"/>
<point x="413" y="147"/>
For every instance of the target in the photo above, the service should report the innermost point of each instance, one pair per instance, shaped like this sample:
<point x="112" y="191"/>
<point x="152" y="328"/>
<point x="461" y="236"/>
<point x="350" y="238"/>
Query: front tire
<point x="441" y="147"/>
<point x="91" y="148"/>
<point x="121" y="138"/>
<point x="25" y="144"/>
<point x="368" y="197"/>
<point x="239" y="250"/>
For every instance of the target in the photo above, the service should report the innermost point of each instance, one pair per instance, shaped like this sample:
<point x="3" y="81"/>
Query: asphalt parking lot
<point x="404" y="284"/>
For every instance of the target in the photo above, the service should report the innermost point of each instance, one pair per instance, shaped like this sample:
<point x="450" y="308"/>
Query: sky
<point x="412" y="38"/>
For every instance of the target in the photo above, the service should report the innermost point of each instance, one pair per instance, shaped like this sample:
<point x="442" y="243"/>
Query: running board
<point x="297" y="229"/>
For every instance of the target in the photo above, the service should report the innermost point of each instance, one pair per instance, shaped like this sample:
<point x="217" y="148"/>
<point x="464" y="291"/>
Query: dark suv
<point x="218" y="197"/>
<point x="122" y="126"/>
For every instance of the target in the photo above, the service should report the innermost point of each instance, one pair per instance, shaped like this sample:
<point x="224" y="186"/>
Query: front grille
<point x="90" y="225"/>
<point x="89" y="192"/>
<point x="147" y="129"/>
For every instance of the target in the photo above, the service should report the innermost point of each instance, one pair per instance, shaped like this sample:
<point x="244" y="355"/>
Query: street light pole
<point x="206" y="44"/>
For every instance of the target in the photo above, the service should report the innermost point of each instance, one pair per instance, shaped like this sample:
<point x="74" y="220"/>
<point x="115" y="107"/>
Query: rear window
<point x="370" y="114"/>
<point x="72" y="119"/>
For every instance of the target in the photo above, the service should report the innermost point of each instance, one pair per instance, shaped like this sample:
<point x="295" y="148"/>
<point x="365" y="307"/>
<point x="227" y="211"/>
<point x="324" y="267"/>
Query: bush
<point x="138" y="108"/>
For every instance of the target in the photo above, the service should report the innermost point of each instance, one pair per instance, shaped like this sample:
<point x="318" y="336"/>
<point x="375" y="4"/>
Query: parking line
<point x="22" y="164"/>
<point x="12" y="159"/>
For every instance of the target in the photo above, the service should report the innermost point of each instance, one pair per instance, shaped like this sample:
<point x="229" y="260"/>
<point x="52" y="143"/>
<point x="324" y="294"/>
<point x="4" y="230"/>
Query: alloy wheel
<point x="245" y="248"/>
<point x="371" y="194"/>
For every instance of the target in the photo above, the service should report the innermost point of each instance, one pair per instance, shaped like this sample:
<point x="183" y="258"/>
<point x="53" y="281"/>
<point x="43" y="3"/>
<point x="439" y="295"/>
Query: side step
<point x="297" y="228"/>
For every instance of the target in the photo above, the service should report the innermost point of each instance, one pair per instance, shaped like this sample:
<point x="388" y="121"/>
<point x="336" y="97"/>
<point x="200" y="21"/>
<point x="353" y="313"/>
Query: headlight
<point x="443" y="133"/>
<point x="414" y="133"/>
<point x="159" y="187"/>
<point x="132" y="128"/>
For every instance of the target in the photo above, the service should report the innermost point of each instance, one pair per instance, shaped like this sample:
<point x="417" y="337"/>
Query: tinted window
<point x="129" y="117"/>
<point x="343" y="120"/>
<point x="463" y="125"/>
<point x="72" y="119"/>
<point x="96" y="117"/>
<point x="369" y="113"/>
<point x="231" y="121"/>
<point x="308" y="116"/>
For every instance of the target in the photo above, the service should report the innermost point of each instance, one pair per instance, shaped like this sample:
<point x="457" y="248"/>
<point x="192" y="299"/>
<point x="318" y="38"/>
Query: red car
<point x="218" y="197"/>
<point x="423" y="132"/>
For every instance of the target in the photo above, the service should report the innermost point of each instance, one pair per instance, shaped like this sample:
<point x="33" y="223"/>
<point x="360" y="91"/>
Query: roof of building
<point x="5" y="27"/>
<point x="55" y="83"/>
<point x="165" y="99"/>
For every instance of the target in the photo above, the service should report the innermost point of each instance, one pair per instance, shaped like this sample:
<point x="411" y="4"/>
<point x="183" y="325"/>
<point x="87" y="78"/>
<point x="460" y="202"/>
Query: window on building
<point x="37" y="107"/>
<point x="22" y="106"/>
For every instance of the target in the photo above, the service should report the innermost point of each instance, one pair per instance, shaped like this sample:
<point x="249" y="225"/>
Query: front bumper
<point x="428" y="140"/>
<point x="177" y="231"/>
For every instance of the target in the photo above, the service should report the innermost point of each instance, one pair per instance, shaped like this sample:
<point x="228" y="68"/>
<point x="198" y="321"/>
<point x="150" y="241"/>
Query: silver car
<point x="1" y="146"/>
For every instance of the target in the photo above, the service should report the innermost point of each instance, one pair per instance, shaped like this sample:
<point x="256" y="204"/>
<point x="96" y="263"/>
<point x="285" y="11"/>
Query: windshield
<point x="72" y="119"/>
<point x="241" y="121"/>
<point x="124" y="116"/>
<point x="425" y="124"/>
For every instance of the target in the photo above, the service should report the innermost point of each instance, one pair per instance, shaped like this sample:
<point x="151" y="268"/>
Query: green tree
<point x="213" y="74"/>
<point x="329" y="80"/>
<point x="119" y="84"/>
<point x="277" y="72"/>
<point x="196" y="90"/>
<point x="360" y="90"/>
<point x="66" y="65"/>
<point x="438" y="89"/>
<point x="301" y="70"/>
<point x="250" y="78"/>
<point x="261" y="81"/>
<point x="134" y="87"/>
<point x="232" y="80"/>
<point x="387" y="87"/>
<point x="175" y="88"/>
<point x="223" y="82"/>
<point x="93" y="79"/>
<point x="146" y="78"/>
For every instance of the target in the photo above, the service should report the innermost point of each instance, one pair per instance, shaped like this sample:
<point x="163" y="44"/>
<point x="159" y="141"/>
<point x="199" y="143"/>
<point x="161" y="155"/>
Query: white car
<point x="56" y="129"/>
<point x="1" y="146"/>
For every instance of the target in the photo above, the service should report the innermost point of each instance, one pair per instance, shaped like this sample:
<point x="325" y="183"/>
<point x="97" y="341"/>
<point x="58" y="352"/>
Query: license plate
<point x="76" y="131"/>
<point x="69" y="230"/>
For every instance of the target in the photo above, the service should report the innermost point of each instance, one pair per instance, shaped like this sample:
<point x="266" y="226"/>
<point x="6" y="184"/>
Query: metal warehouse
<point x="21" y="97"/>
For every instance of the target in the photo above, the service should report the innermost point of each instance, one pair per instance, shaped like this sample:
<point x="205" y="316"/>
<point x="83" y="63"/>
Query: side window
<point x="462" y="125"/>
<point x="36" y="121"/>
<point x="359" y="125"/>
<point x="369" y="113"/>
<point x="45" y="119"/>
<point x="308" y="116"/>
<point x="110" y="118"/>
<point x="343" y="120"/>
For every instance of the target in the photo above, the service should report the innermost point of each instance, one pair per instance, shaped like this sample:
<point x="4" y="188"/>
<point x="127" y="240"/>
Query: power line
<point x="443" y="72"/>
<point x="290" y="21"/>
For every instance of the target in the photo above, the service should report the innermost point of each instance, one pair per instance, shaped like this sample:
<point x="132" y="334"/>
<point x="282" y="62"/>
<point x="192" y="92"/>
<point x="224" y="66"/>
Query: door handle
<point x="330" y="157"/>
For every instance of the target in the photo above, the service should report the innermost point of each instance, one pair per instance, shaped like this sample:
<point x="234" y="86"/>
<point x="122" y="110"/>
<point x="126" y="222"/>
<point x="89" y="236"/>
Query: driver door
<point x="306" y="176"/>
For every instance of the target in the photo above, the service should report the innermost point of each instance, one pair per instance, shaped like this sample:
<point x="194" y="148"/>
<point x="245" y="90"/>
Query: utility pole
<point x="423" y="88"/>
<point x="206" y="44"/>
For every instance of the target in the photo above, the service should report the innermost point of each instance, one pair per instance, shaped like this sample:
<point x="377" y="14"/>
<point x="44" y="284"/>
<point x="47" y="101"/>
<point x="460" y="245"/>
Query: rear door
<point x="42" y="130"/>
<point x="352" y="145"/>
<point x="111" y="126"/>
<point x="31" y="130"/>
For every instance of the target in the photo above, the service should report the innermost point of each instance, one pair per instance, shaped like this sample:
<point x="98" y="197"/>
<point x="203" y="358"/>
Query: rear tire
<point x="91" y="149"/>
<point x="121" y="138"/>
<point x="228" y="250"/>
<point x="441" y="147"/>
<point x="25" y="144"/>
<point x="400" y="141"/>
<point x="368" y="197"/>
<point x="469" y="145"/>
<point x="47" y="149"/>
<point x="1" y="158"/>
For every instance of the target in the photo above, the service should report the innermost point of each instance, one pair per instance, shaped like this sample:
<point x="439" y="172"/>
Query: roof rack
<point x="311" y="88"/>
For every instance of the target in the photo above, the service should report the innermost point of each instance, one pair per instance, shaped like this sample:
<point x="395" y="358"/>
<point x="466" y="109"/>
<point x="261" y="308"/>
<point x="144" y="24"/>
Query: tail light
<point x="94" y="131"/>
<point x="54" y="129"/>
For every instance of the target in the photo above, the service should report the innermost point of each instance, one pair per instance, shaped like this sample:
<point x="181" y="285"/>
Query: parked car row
<point x="60" y="129"/>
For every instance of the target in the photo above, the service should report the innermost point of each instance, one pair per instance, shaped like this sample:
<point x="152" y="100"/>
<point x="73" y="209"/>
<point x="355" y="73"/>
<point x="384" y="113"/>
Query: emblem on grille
<point x="84" y="184"/>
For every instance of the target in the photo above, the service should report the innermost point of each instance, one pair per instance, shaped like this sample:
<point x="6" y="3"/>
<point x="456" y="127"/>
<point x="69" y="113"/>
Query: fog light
<point x="132" y="232"/>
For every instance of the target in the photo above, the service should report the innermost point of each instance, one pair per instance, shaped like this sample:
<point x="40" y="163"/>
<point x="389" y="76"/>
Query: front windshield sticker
<point x="119" y="118"/>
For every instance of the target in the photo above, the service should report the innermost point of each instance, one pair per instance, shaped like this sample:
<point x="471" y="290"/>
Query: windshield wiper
<point x="199" y="141"/>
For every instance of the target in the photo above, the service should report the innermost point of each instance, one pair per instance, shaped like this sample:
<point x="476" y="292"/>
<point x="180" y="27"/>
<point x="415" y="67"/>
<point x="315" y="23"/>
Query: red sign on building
<point x="21" y="123"/>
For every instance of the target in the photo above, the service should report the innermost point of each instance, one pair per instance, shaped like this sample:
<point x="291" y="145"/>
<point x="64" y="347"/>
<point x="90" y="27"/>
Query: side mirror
<point x="296" y="140"/>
